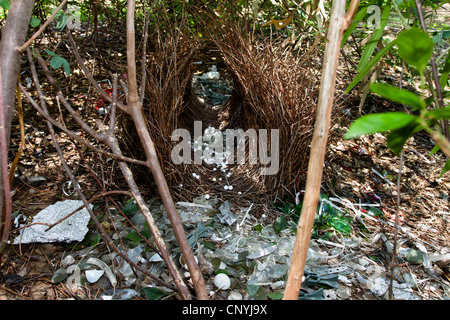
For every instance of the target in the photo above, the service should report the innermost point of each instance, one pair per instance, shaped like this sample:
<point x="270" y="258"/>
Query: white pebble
<point x="225" y="187"/>
<point x="230" y="187"/>
<point x="214" y="179"/>
<point x="222" y="281"/>
<point x="207" y="196"/>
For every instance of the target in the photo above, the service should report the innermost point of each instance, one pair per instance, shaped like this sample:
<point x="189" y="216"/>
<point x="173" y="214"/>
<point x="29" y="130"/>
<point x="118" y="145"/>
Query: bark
<point x="339" y="22"/>
<point x="13" y="36"/>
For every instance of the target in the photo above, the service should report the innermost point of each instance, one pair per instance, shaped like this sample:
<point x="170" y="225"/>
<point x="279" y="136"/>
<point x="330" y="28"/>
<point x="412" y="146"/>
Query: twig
<point x="88" y="74"/>
<point x="42" y="28"/>
<point x="394" y="249"/>
<point x="106" y="238"/>
<point x="22" y="137"/>
<point x="134" y="108"/>
<point x="338" y="23"/>
<point x="6" y="210"/>
<point x="73" y="135"/>
<point x="440" y="99"/>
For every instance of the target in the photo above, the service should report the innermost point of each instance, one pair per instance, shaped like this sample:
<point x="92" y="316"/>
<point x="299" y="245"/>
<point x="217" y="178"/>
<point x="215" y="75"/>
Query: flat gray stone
<point x="71" y="229"/>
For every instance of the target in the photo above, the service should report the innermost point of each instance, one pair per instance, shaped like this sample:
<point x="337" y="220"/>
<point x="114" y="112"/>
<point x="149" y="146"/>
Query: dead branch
<point x="338" y="23"/>
<point x="134" y="108"/>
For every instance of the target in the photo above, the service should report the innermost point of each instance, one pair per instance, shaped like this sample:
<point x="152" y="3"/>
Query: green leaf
<point x="379" y="122"/>
<point x="130" y="208"/>
<point x="59" y="275"/>
<point x="49" y="52"/>
<point x="275" y="295"/>
<point x="370" y="65"/>
<point x="258" y="227"/>
<point x="445" y="71"/>
<point x="358" y="17"/>
<point x="440" y="113"/>
<point x="398" y="95"/>
<point x="209" y="245"/>
<point x="5" y="4"/>
<point x="56" y="62"/>
<point x="415" y="47"/>
<point x="279" y="224"/>
<point x="374" y="38"/>
<point x="133" y="236"/>
<point x="34" y="22"/>
<point x="445" y="169"/>
<point x="398" y="137"/>
<point x="260" y="294"/>
<point x="152" y="293"/>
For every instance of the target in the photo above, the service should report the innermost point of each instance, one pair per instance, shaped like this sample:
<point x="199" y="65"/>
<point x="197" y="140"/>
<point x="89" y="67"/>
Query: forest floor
<point x="356" y="173"/>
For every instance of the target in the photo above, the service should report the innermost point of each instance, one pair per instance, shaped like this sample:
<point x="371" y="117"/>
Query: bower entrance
<point x="210" y="92"/>
<point x="271" y="89"/>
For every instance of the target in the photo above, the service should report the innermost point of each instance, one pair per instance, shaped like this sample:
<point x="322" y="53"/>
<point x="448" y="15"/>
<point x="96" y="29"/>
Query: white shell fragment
<point x="93" y="275"/>
<point x="156" y="258"/>
<point x="222" y="281"/>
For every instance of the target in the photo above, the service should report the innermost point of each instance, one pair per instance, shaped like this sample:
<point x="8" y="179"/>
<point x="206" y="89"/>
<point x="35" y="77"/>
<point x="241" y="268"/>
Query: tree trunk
<point x="13" y="36"/>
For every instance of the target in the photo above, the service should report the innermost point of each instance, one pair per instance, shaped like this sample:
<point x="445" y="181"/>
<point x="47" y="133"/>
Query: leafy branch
<point x="416" y="48"/>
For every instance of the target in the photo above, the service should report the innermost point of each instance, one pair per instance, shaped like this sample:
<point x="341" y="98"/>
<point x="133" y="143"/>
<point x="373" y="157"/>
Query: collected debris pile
<point x="243" y="257"/>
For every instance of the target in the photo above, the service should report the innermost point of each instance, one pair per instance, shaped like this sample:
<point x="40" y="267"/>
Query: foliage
<point x="415" y="47"/>
<point x="57" y="62"/>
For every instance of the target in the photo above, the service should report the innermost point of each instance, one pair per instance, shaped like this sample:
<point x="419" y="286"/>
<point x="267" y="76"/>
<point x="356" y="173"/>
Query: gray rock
<point x="71" y="229"/>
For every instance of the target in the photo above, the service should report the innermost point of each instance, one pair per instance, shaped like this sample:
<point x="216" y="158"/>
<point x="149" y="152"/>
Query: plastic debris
<point x="226" y="216"/>
<point x="74" y="228"/>
<point x="36" y="181"/>
<point x="119" y="294"/>
<point x="133" y="255"/>
<point x="99" y="263"/>
<point x="92" y="276"/>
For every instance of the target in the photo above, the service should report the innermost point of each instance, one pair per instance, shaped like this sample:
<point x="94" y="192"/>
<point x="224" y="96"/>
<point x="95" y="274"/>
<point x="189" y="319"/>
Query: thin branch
<point x="97" y="135"/>
<point x="74" y="136"/>
<point x="134" y="107"/>
<point x="318" y="147"/>
<point x="108" y="138"/>
<point x="6" y="210"/>
<point x="144" y="53"/>
<point x="42" y="28"/>
<point x="88" y="75"/>
<point x="108" y="241"/>
<point x="132" y="95"/>
<point x="440" y="98"/>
